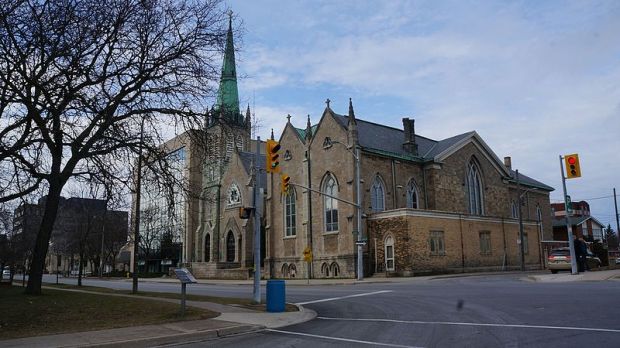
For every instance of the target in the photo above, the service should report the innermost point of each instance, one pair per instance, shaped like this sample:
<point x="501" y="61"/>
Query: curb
<point x="185" y="337"/>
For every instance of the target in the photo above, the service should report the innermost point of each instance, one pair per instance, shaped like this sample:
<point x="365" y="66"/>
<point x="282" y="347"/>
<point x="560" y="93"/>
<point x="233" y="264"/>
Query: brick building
<point x="582" y="222"/>
<point x="428" y="206"/>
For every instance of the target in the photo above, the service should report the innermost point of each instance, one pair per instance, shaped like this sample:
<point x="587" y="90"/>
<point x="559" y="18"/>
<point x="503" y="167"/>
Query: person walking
<point x="579" y="250"/>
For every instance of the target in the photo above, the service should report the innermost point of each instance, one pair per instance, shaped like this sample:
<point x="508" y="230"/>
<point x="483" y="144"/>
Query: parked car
<point x="6" y="273"/>
<point x="618" y="261"/>
<point x="559" y="260"/>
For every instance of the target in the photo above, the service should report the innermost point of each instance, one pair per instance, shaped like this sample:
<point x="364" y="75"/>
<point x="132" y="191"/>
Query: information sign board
<point x="184" y="276"/>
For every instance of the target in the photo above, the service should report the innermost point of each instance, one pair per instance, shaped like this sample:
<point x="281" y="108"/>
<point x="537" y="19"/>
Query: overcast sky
<point x="535" y="79"/>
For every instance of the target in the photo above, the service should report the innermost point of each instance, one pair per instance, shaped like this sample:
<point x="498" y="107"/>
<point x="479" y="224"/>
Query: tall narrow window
<point x="485" y="243"/>
<point x="412" y="195"/>
<point x="207" y="248"/>
<point x="474" y="189"/>
<point x="389" y="253"/>
<point x="538" y="214"/>
<point x="515" y="211"/>
<point x="377" y="195"/>
<point x="230" y="247"/>
<point x="330" y="205"/>
<point x="290" y="214"/>
<point x="437" y="243"/>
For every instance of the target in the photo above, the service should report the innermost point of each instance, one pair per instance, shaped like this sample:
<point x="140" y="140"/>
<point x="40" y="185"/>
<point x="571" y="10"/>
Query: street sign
<point x="307" y="254"/>
<point x="184" y="276"/>
<point x="569" y="206"/>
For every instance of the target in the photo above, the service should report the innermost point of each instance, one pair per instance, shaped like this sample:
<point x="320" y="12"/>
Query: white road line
<point x="520" y="326"/>
<point x="341" y="339"/>
<point x="343" y="297"/>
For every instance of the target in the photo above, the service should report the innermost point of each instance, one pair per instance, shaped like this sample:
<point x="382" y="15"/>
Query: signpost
<point x="185" y="277"/>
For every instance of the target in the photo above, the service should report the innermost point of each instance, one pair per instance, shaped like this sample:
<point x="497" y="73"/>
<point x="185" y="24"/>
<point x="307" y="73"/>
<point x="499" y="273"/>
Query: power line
<point x="582" y="199"/>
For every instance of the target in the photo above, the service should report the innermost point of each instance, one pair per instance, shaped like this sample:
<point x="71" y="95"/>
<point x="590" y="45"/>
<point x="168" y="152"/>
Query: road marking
<point x="343" y="297"/>
<point x="341" y="339"/>
<point x="521" y="326"/>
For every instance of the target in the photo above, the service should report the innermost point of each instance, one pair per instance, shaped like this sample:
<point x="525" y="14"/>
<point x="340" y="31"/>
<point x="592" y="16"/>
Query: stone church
<point x="428" y="206"/>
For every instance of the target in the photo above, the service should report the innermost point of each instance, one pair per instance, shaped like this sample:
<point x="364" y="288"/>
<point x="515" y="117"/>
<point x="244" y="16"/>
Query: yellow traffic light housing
<point x="284" y="183"/>
<point x="273" y="164"/>
<point x="573" y="170"/>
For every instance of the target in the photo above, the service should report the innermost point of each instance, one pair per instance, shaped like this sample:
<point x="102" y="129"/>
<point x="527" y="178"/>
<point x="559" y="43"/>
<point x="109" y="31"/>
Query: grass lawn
<point x="58" y="311"/>
<point x="246" y="303"/>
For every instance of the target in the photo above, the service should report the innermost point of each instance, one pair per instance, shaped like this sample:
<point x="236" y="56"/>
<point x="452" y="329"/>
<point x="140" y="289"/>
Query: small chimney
<point x="409" y="129"/>
<point x="508" y="162"/>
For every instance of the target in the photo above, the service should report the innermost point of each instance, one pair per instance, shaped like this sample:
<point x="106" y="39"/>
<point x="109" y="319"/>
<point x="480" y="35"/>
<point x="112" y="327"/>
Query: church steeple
<point x="228" y="94"/>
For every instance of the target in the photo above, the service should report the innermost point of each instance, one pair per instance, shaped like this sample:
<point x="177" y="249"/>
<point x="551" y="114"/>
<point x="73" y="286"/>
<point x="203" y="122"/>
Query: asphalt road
<point x="479" y="311"/>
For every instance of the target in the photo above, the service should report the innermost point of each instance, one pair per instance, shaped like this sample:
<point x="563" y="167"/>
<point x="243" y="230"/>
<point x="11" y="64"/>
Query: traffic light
<point x="284" y="182"/>
<point x="244" y="213"/>
<point x="273" y="164"/>
<point x="572" y="166"/>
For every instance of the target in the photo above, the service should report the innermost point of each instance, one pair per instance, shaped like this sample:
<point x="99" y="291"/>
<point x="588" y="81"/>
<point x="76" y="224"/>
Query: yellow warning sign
<point x="307" y="254"/>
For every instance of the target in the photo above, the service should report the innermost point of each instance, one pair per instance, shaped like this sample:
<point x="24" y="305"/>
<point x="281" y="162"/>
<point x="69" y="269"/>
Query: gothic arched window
<point x="330" y="188"/>
<point x="389" y="253"/>
<point x="474" y="189"/>
<point x="515" y="211"/>
<point x="290" y="214"/>
<point x="207" y="248"/>
<point x="412" y="195"/>
<point x="230" y="247"/>
<point x="377" y="195"/>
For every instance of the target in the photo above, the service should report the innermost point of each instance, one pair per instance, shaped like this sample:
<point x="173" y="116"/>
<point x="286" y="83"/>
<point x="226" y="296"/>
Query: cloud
<point x="536" y="80"/>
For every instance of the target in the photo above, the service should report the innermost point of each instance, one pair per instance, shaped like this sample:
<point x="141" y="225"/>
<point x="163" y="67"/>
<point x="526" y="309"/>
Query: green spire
<point x="228" y="94"/>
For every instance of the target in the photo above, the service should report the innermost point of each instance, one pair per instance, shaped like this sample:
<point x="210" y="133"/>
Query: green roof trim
<point x="302" y="132"/>
<point x="393" y="155"/>
<point x="228" y="93"/>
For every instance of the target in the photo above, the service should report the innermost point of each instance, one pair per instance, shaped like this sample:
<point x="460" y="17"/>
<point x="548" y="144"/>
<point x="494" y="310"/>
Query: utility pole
<point x="569" y="228"/>
<point x="256" y="198"/>
<point x="520" y="223"/>
<point x="617" y="219"/>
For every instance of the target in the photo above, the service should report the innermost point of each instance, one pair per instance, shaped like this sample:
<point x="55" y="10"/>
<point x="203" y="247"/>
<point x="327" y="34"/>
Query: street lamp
<point x="358" y="231"/>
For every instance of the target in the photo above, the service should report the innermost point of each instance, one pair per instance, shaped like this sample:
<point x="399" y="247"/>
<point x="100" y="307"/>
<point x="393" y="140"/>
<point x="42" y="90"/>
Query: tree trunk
<point x="80" y="268"/>
<point x="35" y="277"/>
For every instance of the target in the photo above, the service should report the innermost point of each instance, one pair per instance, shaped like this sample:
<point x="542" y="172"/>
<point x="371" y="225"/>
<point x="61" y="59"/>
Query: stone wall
<point x="411" y="230"/>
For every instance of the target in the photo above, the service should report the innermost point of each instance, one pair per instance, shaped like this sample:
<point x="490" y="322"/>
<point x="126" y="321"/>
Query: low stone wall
<point x="411" y="231"/>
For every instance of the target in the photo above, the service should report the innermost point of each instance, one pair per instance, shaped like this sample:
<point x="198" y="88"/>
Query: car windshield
<point x="560" y="252"/>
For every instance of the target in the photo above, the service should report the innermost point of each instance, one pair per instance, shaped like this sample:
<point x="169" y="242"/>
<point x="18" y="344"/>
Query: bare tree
<point x="77" y="78"/>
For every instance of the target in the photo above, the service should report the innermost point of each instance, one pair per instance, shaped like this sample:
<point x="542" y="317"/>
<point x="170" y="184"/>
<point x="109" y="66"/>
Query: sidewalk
<point x="568" y="277"/>
<point x="232" y="320"/>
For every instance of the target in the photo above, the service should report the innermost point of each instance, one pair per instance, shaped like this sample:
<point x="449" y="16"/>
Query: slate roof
<point x="526" y="180"/>
<point x="373" y="136"/>
<point x="247" y="158"/>
<point x="388" y="141"/>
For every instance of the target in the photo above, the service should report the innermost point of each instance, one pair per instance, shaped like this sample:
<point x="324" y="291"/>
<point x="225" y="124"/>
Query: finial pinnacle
<point x="288" y="118"/>
<point x="272" y="137"/>
<point x="326" y="102"/>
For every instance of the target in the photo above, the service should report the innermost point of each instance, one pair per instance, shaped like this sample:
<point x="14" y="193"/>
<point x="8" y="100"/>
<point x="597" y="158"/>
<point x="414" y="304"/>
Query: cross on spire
<point x="327" y="102"/>
<point x="288" y="118"/>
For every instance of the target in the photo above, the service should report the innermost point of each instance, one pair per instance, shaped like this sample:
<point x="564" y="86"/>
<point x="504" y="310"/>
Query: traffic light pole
<point x="256" y="290"/>
<point x="358" y="198"/>
<point x="569" y="229"/>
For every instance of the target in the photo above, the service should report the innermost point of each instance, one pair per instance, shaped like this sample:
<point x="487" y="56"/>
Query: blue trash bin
<point x="276" y="296"/>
